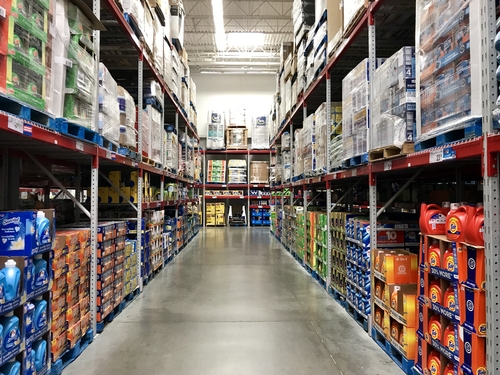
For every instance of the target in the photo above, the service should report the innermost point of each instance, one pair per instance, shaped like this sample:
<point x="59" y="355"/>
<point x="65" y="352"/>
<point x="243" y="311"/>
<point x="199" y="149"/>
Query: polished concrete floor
<point x="233" y="303"/>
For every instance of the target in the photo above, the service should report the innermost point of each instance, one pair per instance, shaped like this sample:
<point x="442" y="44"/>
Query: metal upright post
<point x="78" y="192"/>
<point x="328" y="185"/>
<point x="304" y="195"/>
<point x="328" y="232"/>
<point x="372" y="178"/>
<point x="94" y="183"/>
<point x="491" y="187"/>
<point x="178" y="168"/>
<point x="139" y="177"/>
<point x="162" y="150"/>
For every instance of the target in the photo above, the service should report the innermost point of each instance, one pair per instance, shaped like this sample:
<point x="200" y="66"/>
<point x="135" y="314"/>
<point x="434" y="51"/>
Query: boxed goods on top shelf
<point x="259" y="172"/>
<point x="351" y="11"/>
<point x="236" y="138"/>
<point x="109" y="111"/>
<point x="355" y="110"/>
<point x="216" y="130"/>
<point x="260" y="133"/>
<point x="394" y="109"/>
<point x="298" y="149"/>
<point x="155" y="134"/>
<point x="127" y="110"/>
<point x="448" y="63"/>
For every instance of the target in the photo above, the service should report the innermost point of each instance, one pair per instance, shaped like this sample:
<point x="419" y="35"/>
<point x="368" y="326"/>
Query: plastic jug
<point x="378" y="316"/>
<point x="29" y="317"/>
<point x="434" y="363"/>
<point x="435" y="327"/>
<point x="40" y="348"/>
<point x="450" y="369"/>
<point x="449" y="260"/>
<point x="378" y="289"/>
<point x="2" y="288"/>
<point x="11" y="368"/>
<point x="435" y="293"/>
<point x="11" y="335"/>
<point x="456" y="222"/>
<point x="449" y="338"/>
<point x="449" y="299"/>
<point x="432" y="219"/>
<point x="474" y="232"/>
<point x="40" y="276"/>
<point x="12" y="276"/>
<point x="395" y="331"/>
<point x="434" y="255"/>
<point x="42" y="228"/>
<point x="40" y="316"/>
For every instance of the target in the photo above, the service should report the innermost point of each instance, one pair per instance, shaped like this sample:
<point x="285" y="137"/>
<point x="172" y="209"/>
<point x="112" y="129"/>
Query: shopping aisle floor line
<point x="233" y="302"/>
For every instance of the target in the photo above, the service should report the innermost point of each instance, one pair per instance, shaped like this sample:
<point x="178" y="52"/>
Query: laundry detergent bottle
<point x="12" y="276"/>
<point x="40" y="316"/>
<point x="40" y="276"/>
<point x="449" y="339"/>
<point x="474" y="232"/>
<point x="450" y="369"/>
<point x="42" y="228"/>
<point x="434" y="363"/>
<point x="435" y="292"/>
<point x="432" y="219"/>
<point x="40" y="348"/>
<point x="449" y="299"/>
<point x="394" y="298"/>
<point x="456" y="222"/>
<point x="435" y="327"/>
<point x="11" y="335"/>
<point x="449" y="260"/>
<point x="434" y="255"/>
<point x="2" y="287"/>
<point x="11" y="368"/>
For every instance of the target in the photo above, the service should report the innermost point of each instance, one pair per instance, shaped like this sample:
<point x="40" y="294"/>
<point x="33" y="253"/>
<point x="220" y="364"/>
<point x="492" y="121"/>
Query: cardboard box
<point x="74" y="334"/>
<point x="335" y="19"/>
<point x="73" y="315"/>
<point x="398" y="267"/>
<point x="115" y="177"/>
<point x="352" y="8"/>
<point x="472" y="308"/>
<point x="126" y="191"/>
<point x="472" y="352"/>
<point x="58" y="346"/>
<point x="59" y="286"/>
<point x="259" y="172"/>
<point x="113" y="195"/>
<point x="59" y="325"/>
<point x="404" y="307"/>
<point x="103" y="195"/>
<point x="471" y="267"/>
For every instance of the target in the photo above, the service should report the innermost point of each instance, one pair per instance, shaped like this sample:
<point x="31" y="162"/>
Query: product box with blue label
<point x="472" y="353"/>
<point x="26" y="233"/>
<point x="472" y="310"/>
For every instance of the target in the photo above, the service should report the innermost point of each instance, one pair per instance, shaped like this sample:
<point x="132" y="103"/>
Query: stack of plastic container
<point x="336" y="155"/>
<point x="127" y="109"/>
<point x="321" y="131"/>
<point x="260" y="133"/>
<point x="216" y="129"/>
<point x="286" y="156"/>
<point x="308" y="134"/>
<point x="237" y="171"/>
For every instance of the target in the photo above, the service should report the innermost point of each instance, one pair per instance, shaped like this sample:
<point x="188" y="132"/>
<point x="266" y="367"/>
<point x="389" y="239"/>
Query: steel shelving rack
<point x="383" y="28"/>
<point x="246" y="197"/>
<point x="21" y="139"/>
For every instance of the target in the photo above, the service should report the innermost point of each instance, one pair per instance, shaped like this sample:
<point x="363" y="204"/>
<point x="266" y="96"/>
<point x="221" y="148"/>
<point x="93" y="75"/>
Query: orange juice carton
<point x="471" y="271"/>
<point x="473" y="310"/>
<point x="472" y="353"/>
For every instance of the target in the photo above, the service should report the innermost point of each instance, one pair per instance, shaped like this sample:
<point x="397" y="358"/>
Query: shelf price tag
<point x="435" y="156"/>
<point x="108" y="154"/>
<point x="388" y="165"/>
<point x="16" y="124"/>
<point x="354" y="172"/>
<point x="79" y="145"/>
<point x="259" y="206"/>
<point x="242" y="197"/>
<point x="3" y="12"/>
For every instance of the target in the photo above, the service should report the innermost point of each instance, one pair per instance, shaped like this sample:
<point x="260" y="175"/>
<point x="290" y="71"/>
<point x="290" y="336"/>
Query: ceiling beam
<point x="228" y="17"/>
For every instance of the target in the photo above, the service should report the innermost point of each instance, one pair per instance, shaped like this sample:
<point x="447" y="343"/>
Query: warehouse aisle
<point x="233" y="303"/>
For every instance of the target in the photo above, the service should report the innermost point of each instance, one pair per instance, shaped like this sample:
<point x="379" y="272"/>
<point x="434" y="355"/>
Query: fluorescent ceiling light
<point x="245" y="39"/>
<point x="220" y="36"/>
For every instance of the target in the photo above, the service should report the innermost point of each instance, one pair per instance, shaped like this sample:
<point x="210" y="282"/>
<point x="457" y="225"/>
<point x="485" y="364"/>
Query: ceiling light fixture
<point x="245" y="39"/>
<point x="220" y="36"/>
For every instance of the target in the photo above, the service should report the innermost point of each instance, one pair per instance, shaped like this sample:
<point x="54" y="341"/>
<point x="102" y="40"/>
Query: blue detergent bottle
<point x="40" y="317"/>
<point x="2" y="288"/>
<point x="29" y="317"/>
<point x="40" y="349"/>
<point x="42" y="228"/>
<point x="12" y="276"/>
<point x="11" y="335"/>
<point x="11" y="368"/>
<point x="40" y="275"/>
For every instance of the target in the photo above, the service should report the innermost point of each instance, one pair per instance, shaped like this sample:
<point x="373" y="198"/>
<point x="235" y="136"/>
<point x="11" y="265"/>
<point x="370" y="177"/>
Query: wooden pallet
<point x="390" y="152"/>
<point x="244" y="148"/>
<point x="354" y="22"/>
<point x="148" y="161"/>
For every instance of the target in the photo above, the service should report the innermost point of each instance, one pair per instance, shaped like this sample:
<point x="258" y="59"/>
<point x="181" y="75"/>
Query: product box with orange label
<point x="471" y="267"/>
<point x="84" y="305"/>
<point x="85" y="255"/>
<point x="59" y="325"/>
<point x="83" y="288"/>
<point x="72" y="279"/>
<point x="59" y="266"/>
<point x="472" y="310"/>
<point x="74" y="334"/>
<point x="403" y="303"/>
<point x="73" y="260"/>
<point x="85" y="323"/>
<point x="73" y="314"/>
<point x="472" y="352"/>
<point x="59" y="305"/>
<point x="404" y="339"/>
<point x="59" y="286"/>
<point x="72" y="297"/>
<point x="66" y="238"/>
<point x="400" y="267"/>
<point x="58" y="346"/>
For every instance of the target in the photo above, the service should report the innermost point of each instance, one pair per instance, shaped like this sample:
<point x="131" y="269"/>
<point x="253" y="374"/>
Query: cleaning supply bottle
<point x="11" y="368"/>
<point x="450" y="369"/>
<point x="2" y="288"/>
<point x="40" y="276"/>
<point x="40" y="348"/>
<point x="435" y="327"/>
<point x="42" y="228"/>
<point x="449" y="260"/>
<point x="456" y="222"/>
<point x="12" y="276"/>
<point x="394" y="298"/>
<point x="11" y="335"/>
<point x="432" y="219"/>
<point x="474" y="232"/>
<point x="435" y="293"/>
<point x="434" y="255"/>
<point x="449" y="339"/>
<point x="434" y="363"/>
<point x="449" y="299"/>
<point x="40" y="316"/>
<point x="29" y="317"/>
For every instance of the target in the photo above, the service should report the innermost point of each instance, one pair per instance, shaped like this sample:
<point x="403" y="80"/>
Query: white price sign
<point x="3" y="12"/>
<point x="79" y="145"/>
<point x="108" y="154"/>
<point x="388" y="165"/>
<point x="16" y="124"/>
<point x="435" y="156"/>
<point x="354" y="172"/>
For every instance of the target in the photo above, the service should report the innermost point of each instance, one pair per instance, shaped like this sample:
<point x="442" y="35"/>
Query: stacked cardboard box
<point x="216" y="171"/>
<point x="215" y="214"/>
<point x="131" y="269"/>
